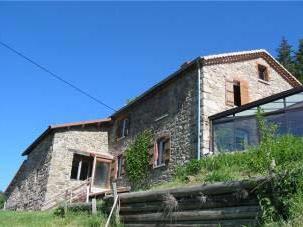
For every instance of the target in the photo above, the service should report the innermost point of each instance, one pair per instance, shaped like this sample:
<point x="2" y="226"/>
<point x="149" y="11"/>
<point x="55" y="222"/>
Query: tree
<point x="2" y="199"/>
<point x="285" y="55"/>
<point x="299" y="61"/>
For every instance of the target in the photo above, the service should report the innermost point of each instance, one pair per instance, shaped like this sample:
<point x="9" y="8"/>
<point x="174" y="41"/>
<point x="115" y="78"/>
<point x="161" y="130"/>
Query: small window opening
<point x="119" y="171"/>
<point x="237" y="93"/>
<point x="81" y="167"/>
<point x="263" y="74"/>
<point x="162" y="148"/>
<point x="123" y="128"/>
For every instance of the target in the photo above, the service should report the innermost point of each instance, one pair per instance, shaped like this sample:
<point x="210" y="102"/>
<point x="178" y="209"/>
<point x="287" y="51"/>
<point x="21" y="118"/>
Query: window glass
<point x="273" y="106"/>
<point x="223" y="137"/>
<point x="294" y="101"/>
<point x="123" y="128"/>
<point x="246" y="133"/>
<point x="120" y="160"/>
<point x="295" y="122"/>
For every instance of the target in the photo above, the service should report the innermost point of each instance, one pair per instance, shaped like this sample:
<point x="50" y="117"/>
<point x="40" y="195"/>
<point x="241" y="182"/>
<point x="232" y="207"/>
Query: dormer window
<point x="123" y="128"/>
<point x="263" y="73"/>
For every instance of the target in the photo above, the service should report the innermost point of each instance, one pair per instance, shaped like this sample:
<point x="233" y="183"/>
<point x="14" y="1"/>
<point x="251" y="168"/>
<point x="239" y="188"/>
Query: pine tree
<point x="299" y="61"/>
<point x="285" y="55"/>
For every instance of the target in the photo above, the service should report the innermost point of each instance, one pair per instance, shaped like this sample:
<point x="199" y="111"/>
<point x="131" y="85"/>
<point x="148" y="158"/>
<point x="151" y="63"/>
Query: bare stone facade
<point x="213" y="83"/>
<point x="170" y="110"/>
<point x="47" y="171"/>
<point x="28" y="188"/>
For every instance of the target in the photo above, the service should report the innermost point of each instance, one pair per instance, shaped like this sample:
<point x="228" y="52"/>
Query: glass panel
<point x="223" y="137"/>
<point x="101" y="174"/>
<point x="280" y="121"/>
<point x="273" y="106"/>
<point x="295" y="122"/>
<point x="246" y="133"/>
<point x="249" y="112"/>
<point x="294" y="101"/>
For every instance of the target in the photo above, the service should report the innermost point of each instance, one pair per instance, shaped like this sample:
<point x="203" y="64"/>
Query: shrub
<point x="2" y="199"/>
<point x="137" y="160"/>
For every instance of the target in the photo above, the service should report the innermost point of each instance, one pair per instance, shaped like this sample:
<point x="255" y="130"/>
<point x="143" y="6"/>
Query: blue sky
<point x="115" y="51"/>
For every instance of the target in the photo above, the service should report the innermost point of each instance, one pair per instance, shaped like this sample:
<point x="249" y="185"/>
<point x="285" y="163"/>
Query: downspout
<point x="199" y="113"/>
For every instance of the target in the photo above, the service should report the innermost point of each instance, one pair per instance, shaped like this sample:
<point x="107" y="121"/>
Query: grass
<point x="283" y="153"/>
<point x="281" y="156"/>
<point x="48" y="219"/>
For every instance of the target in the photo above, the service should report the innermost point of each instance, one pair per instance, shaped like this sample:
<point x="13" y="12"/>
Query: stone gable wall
<point x="176" y="103"/>
<point x="90" y="139"/>
<point x="214" y="93"/>
<point x="28" y="188"/>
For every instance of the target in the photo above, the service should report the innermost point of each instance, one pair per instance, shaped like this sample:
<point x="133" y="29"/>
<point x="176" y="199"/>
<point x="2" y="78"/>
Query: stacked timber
<point x="219" y="204"/>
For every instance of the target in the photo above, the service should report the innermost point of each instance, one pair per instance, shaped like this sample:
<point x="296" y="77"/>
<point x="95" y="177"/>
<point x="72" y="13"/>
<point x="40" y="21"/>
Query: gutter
<point x="199" y="112"/>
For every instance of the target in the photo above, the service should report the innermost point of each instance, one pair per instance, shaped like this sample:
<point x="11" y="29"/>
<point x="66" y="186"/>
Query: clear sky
<point x="115" y="51"/>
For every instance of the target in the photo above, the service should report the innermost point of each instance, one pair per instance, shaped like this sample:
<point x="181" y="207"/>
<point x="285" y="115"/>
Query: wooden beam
<point x="93" y="171"/>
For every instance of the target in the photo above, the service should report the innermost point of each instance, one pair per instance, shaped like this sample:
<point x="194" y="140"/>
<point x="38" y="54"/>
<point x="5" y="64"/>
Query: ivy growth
<point x="137" y="159"/>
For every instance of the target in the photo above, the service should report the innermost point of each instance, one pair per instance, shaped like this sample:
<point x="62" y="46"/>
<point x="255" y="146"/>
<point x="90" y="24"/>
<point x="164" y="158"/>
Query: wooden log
<point x="225" y="223"/>
<point x="206" y="189"/>
<point x="248" y="212"/>
<point x="194" y="202"/>
<point x="191" y="204"/>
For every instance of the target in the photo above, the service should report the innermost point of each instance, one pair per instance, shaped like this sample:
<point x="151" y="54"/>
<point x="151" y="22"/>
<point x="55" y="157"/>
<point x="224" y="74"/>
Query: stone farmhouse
<point x="176" y="110"/>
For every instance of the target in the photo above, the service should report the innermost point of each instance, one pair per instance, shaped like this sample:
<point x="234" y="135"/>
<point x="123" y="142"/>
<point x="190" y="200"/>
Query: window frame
<point x="80" y="160"/>
<point x="263" y="70"/>
<point x="237" y="97"/>
<point x="124" y="131"/>
<point x="163" y="140"/>
<point x="119" y="165"/>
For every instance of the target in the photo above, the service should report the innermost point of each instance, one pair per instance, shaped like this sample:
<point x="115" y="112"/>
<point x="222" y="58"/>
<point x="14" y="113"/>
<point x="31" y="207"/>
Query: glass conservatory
<point x="237" y="129"/>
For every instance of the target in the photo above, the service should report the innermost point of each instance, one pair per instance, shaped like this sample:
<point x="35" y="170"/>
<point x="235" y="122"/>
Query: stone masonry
<point x="169" y="108"/>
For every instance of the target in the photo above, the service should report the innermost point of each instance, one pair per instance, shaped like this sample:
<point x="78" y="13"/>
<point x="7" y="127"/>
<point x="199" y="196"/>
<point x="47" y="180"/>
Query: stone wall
<point x="175" y="106"/>
<point x="28" y="188"/>
<point x="214" y="93"/>
<point x="66" y="141"/>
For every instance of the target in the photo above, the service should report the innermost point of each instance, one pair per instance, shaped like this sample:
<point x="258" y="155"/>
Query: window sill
<point x="159" y="166"/>
<point x="161" y="117"/>
<point x="263" y="81"/>
<point x="121" y="138"/>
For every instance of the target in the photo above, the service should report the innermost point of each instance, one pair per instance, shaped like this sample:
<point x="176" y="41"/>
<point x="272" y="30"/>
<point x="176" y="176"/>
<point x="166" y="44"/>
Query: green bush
<point x="2" y="199"/>
<point x="137" y="160"/>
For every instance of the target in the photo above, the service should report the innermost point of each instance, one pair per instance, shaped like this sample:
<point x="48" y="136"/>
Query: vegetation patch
<point x="48" y="219"/>
<point x="137" y="160"/>
<point x="278" y="157"/>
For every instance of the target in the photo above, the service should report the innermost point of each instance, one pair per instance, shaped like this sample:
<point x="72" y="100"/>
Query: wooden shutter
<point x="113" y="170"/>
<point x="244" y="92"/>
<point x="167" y="150"/>
<point x="229" y="92"/>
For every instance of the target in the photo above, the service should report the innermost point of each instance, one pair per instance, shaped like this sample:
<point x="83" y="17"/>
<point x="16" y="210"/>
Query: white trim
<point x="263" y="81"/>
<point x="161" y="117"/>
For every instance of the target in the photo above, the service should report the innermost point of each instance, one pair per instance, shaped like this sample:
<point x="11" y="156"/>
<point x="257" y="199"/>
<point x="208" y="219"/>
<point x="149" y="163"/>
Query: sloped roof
<point x="223" y="58"/>
<point x="50" y="128"/>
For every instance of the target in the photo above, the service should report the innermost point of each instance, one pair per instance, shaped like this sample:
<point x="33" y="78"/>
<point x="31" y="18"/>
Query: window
<point x="262" y="71"/>
<point x="162" y="151"/>
<point x="237" y="93"/>
<point x="81" y="167"/>
<point x="120" y="163"/>
<point x="123" y="128"/>
<point x="241" y="139"/>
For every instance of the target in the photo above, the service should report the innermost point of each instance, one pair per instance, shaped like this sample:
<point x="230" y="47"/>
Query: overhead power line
<point x="56" y="76"/>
